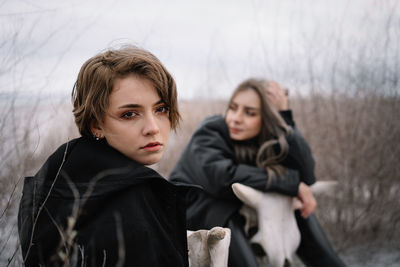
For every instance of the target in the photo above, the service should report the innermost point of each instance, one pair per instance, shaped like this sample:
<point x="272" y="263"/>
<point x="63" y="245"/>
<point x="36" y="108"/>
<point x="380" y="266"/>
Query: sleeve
<point x="208" y="161"/>
<point x="300" y="156"/>
<point x="287" y="115"/>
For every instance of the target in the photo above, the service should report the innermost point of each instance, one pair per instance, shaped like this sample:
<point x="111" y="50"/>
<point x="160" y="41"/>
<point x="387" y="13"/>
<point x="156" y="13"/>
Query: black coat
<point x="125" y="211"/>
<point x="209" y="161"/>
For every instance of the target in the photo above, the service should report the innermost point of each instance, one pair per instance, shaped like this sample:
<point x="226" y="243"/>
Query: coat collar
<point x="83" y="163"/>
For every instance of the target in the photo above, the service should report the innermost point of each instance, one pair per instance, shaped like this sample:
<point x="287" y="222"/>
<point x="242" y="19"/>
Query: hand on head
<point x="277" y="96"/>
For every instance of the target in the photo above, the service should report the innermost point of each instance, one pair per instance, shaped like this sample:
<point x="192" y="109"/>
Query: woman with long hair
<point x="257" y="144"/>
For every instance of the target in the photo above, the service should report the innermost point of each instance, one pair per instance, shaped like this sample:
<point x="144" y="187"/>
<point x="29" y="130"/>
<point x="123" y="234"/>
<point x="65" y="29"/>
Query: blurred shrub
<point x="355" y="141"/>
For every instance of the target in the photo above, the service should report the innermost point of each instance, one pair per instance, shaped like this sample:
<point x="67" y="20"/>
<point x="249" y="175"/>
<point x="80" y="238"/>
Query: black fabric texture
<point x="240" y="251"/>
<point x="299" y="156"/>
<point x="209" y="161"/>
<point x="122" y="211"/>
<point x="315" y="249"/>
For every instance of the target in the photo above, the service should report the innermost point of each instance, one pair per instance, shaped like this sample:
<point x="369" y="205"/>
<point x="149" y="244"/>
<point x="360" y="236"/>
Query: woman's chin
<point x="150" y="160"/>
<point x="236" y="137"/>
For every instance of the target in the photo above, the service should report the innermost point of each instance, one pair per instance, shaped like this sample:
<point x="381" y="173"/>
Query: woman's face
<point x="136" y="122"/>
<point x="244" y="115"/>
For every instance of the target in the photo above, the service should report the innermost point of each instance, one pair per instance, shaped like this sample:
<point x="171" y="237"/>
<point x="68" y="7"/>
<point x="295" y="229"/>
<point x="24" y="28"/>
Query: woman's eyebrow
<point x="131" y="106"/>
<point x="140" y="106"/>
<point x="159" y="102"/>
<point x="251" y="108"/>
<point x="233" y="104"/>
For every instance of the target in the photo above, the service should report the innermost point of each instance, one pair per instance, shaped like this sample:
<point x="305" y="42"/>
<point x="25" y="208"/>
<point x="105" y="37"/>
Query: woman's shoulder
<point x="217" y="118"/>
<point x="214" y="123"/>
<point x="53" y="163"/>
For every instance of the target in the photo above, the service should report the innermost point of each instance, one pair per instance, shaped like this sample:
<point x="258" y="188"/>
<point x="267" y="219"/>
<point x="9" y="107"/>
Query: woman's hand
<point x="277" y="96"/>
<point x="307" y="199"/>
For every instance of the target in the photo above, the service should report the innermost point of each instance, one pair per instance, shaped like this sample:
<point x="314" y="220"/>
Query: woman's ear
<point x="96" y="130"/>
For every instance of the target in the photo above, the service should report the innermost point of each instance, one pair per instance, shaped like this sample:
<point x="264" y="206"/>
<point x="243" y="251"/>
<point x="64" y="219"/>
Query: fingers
<point x="286" y="91"/>
<point x="276" y="90"/>
<point x="306" y="196"/>
<point x="277" y="96"/>
<point x="308" y="207"/>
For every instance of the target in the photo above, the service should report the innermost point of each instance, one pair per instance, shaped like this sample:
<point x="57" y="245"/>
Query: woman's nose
<point x="237" y="116"/>
<point x="150" y="126"/>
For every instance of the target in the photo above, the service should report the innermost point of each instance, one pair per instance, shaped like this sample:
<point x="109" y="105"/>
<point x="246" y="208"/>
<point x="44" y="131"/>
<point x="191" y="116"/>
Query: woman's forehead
<point x="248" y="98"/>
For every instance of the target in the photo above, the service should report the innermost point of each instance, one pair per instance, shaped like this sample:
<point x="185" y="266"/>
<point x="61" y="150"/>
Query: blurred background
<point x="340" y="60"/>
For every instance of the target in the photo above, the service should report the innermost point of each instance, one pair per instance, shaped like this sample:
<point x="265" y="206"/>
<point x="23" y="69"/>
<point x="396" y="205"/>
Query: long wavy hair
<point x="270" y="146"/>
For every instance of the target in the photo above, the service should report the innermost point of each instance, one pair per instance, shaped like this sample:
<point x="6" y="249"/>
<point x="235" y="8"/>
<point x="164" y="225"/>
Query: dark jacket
<point x="209" y="161"/>
<point x="118" y="210"/>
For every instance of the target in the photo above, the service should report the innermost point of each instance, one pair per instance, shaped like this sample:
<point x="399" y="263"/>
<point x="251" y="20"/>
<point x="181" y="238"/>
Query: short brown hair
<point x="92" y="89"/>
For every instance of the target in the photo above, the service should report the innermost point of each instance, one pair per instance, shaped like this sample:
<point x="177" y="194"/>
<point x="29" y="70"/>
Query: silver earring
<point x="96" y="137"/>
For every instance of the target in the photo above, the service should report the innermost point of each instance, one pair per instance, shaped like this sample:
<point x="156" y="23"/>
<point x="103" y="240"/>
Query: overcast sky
<point x="209" y="46"/>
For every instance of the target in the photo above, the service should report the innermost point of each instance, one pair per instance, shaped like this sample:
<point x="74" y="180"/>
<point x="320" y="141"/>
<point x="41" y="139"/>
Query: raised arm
<point x="300" y="156"/>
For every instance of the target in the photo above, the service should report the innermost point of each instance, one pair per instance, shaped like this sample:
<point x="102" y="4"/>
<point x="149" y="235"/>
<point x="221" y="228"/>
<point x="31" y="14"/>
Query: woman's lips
<point x="235" y="130"/>
<point x="151" y="147"/>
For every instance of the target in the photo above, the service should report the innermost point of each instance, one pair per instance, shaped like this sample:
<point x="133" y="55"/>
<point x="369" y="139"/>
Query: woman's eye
<point x="129" y="115"/>
<point x="232" y="107"/>
<point x="162" y="109"/>
<point x="251" y="113"/>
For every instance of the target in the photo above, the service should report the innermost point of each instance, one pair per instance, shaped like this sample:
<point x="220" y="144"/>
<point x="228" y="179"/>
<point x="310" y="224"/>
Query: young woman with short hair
<point x="94" y="202"/>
